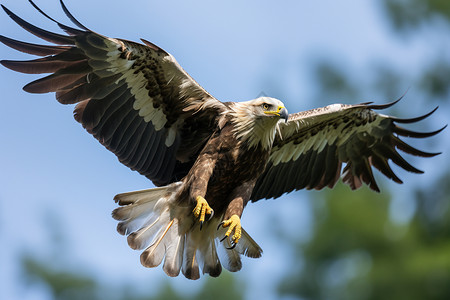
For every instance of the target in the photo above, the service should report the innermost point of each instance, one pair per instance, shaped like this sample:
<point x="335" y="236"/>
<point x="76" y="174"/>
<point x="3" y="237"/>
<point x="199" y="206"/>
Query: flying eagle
<point x="207" y="158"/>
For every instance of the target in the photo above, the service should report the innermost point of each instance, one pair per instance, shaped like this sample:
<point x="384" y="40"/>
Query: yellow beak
<point x="280" y="112"/>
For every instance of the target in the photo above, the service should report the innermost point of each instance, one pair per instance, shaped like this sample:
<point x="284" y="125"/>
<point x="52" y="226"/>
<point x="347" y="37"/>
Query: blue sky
<point x="233" y="49"/>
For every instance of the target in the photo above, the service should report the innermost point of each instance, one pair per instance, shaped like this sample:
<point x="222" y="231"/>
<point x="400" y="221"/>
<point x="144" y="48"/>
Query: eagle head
<point x="255" y="121"/>
<point x="269" y="107"/>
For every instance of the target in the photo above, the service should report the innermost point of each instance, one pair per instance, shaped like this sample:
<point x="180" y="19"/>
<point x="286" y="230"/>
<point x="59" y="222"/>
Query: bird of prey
<point x="207" y="158"/>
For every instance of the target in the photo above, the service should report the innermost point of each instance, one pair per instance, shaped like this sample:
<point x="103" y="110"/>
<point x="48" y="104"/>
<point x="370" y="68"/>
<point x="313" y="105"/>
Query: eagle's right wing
<point x="134" y="98"/>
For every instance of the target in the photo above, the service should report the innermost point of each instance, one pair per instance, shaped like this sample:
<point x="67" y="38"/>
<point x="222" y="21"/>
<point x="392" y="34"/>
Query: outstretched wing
<point x="314" y="144"/>
<point x="134" y="98"/>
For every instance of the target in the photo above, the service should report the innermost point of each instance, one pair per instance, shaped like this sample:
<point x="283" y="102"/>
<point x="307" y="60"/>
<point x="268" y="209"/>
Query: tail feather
<point x="154" y="220"/>
<point x="174" y="251"/>
<point x="149" y="195"/>
<point x="209" y="260"/>
<point x="153" y="255"/>
<point x="190" y="264"/>
<point x="136" y="222"/>
<point x="142" y="209"/>
<point x="248" y="247"/>
<point x="230" y="258"/>
<point x="148" y="234"/>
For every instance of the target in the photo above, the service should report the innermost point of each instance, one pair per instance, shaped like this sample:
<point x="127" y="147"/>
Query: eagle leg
<point x="234" y="224"/>
<point x="201" y="209"/>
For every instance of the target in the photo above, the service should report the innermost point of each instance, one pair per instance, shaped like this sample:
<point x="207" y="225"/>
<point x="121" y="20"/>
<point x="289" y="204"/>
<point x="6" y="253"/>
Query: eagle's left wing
<point x="313" y="145"/>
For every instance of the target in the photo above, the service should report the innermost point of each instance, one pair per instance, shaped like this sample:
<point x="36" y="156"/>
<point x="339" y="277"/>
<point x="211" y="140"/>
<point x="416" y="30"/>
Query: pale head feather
<point x="254" y="126"/>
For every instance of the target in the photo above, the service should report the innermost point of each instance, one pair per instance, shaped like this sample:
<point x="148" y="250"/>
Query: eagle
<point x="207" y="158"/>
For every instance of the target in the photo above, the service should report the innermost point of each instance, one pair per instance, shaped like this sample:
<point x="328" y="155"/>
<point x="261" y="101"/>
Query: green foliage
<point x="436" y="79"/>
<point x="409" y="14"/>
<point x="333" y="84"/>
<point x="62" y="283"/>
<point x="358" y="252"/>
<point x="73" y="285"/>
<point x="225" y="287"/>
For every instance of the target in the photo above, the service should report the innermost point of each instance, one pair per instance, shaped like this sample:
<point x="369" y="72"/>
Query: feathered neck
<point x="251" y="129"/>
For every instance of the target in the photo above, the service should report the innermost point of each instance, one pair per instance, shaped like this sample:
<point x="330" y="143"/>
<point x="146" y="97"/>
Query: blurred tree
<point x="333" y="85"/>
<point x="409" y="14"/>
<point x="436" y="79"/>
<point x="72" y="283"/>
<point x="62" y="284"/>
<point x="77" y="285"/>
<point x="358" y="252"/>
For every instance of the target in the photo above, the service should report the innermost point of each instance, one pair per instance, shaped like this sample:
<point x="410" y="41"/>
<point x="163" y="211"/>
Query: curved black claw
<point x="211" y="215"/>
<point x="233" y="245"/>
<point x="218" y="227"/>
<point x="221" y="223"/>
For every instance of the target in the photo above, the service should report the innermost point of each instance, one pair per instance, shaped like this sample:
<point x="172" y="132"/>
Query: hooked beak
<point x="283" y="113"/>
<point x="280" y="112"/>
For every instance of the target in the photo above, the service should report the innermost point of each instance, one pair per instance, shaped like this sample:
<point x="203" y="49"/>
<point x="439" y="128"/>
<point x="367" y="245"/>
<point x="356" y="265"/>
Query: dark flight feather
<point x="355" y="135"/>
<point x="41" y="33"/>
<point x="99" y="74"/>
<point x="34" y="49"/>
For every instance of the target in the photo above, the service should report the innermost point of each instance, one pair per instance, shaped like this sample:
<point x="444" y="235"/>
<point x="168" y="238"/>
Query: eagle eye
<point x="266" y="106"/>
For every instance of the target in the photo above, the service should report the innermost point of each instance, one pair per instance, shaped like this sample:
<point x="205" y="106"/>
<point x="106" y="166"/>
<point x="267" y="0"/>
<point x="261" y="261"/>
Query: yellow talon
<point x="202" y="209"/>
<point x="234" y="223"/>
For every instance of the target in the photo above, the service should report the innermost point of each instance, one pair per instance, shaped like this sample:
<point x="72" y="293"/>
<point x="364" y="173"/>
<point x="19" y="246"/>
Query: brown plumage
<point x="207" y="158"/>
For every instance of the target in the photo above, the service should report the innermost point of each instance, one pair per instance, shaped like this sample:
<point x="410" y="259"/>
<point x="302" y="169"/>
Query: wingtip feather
<point x="41" y="33"/>
<point x="409" y="133"/>
<point x="414" y="120"/>
<point x="384" y="106"/>
<point x="71" y="17"/>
